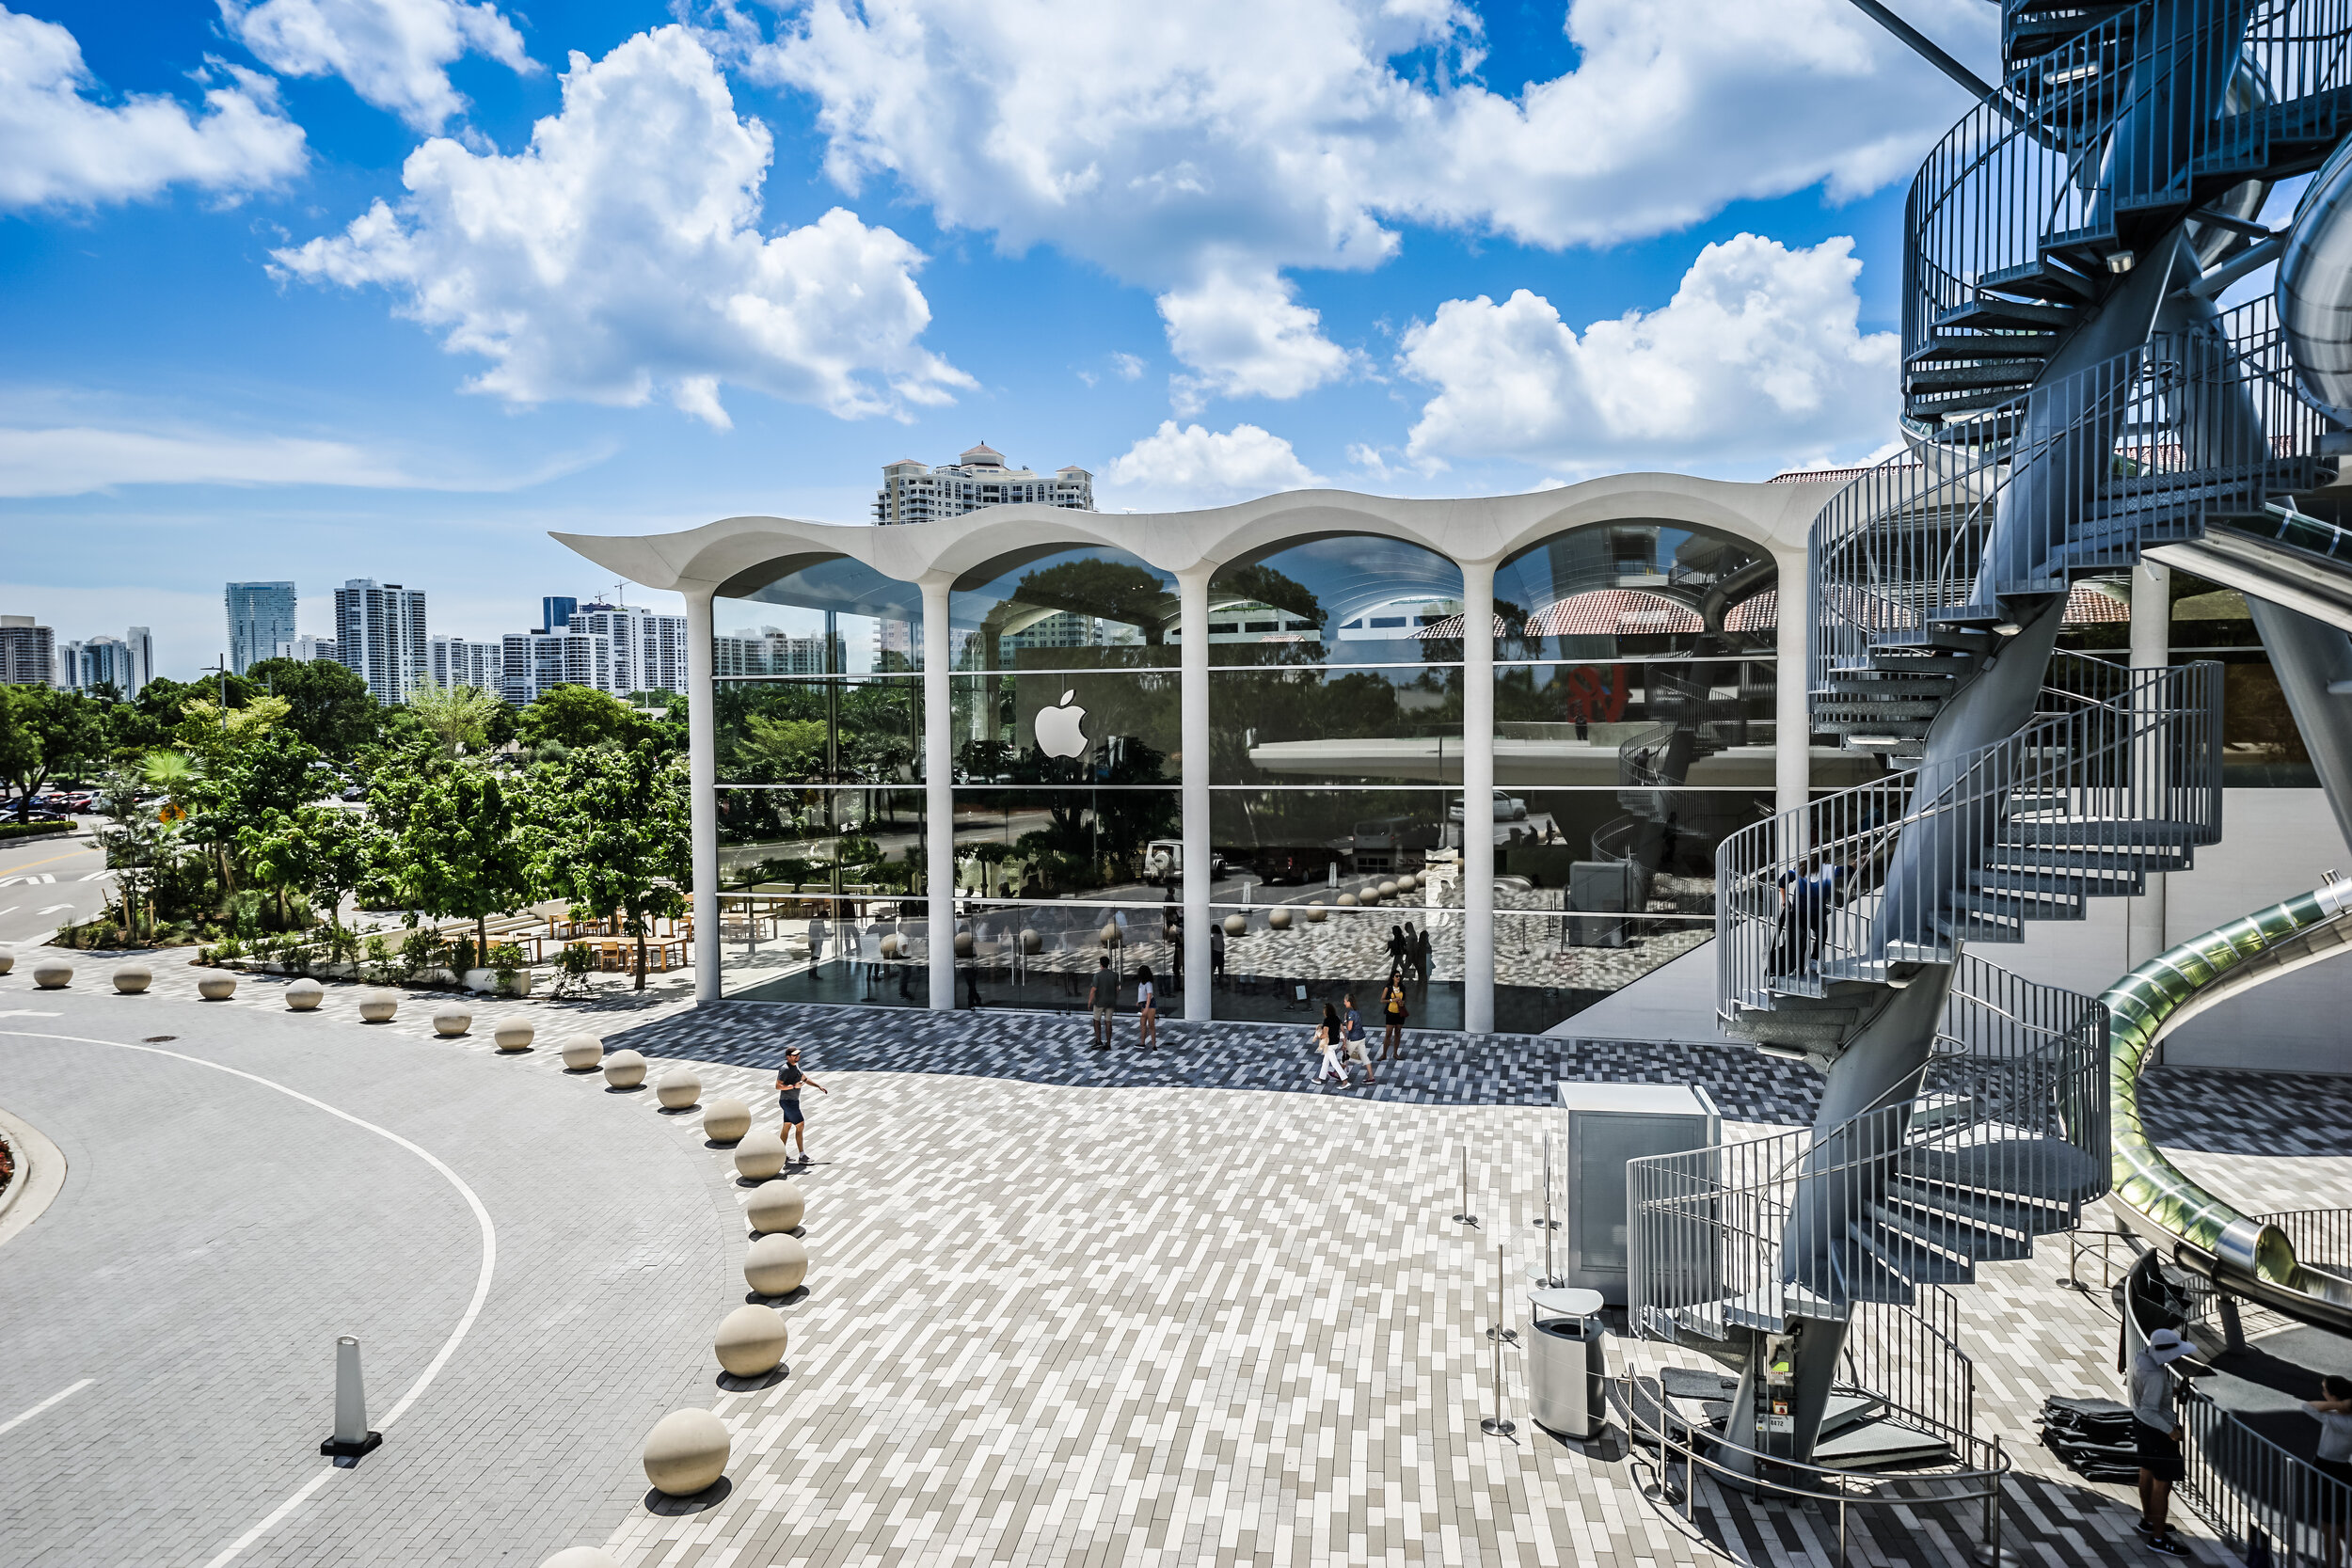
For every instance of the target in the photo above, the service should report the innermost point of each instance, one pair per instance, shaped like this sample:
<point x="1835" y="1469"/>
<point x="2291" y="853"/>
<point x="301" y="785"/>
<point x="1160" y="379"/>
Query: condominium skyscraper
<point x="379" y="632"/>
<point x="100" y="662"/>
<point x="533" y="662"/>
<point x="29" y="654"/>
<point x="458" y="662"/>
<point x="142" y="645"/>
<point x="555" y="612"/>
<point x="648" y="650"/>
<point x="911" y="492"/>
<point x="308" y="649"/>
<point x="261" y="616"/>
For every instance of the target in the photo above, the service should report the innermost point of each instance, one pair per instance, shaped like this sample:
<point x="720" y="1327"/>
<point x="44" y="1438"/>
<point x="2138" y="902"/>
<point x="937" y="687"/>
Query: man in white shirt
<point x="2157" y="1433"/>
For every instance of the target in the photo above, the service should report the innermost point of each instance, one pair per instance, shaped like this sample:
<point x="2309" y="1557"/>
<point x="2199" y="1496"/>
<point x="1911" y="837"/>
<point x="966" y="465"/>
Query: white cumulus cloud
<point x="1191" y="466"/>
<point x="1758" y="356"/>
<point x="1177" y="146"/>
<point x="619" y="258"/>
<point x="62" y="143"/>
<point x="74" y="460"/>
<point x="395" y="54"/>
<point x="1247" y="337"/>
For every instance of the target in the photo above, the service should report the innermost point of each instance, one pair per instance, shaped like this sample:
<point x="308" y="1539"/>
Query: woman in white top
<point x="2333" y="1409"/>
<point x="1147" y="1009"/>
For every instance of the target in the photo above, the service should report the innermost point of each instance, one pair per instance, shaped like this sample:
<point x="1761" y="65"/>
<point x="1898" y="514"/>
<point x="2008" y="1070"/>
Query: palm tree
<point x="456" y="715"/>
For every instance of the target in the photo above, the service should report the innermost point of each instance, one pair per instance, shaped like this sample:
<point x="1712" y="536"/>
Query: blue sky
<point x="324" y="288"/>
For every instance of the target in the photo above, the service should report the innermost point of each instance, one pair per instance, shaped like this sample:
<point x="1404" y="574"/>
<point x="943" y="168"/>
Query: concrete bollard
<point x="378" y="1006"/>
<point x="751" y="1341"/>
<point x="777" y="1265"/>
<point x="216" y="988"/>
<point x="8" y="959"/>
<point x="775" y="1206"/>
<point x="583" y="1051"/>
<point x="760" y="1154"/>
<point x="725" y="1120"/>
<point x="131" y="979"/>
<point x="305" y="995"/>
<point x="686" y="1452"/>
<point x="513" y="1033"/>
<point x="450" y="1020"/>
<point x="351" y="1436"/>
<point x="625" y="1069"/>
<point x="53" y="973"/>
<point x="677" y="1089"/>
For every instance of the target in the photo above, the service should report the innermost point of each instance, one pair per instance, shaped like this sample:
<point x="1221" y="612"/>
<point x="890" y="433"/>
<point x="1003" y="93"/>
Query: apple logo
<point x="1059" y="730"/>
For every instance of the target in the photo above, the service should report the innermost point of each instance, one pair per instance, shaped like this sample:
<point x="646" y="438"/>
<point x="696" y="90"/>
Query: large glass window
<point x="820" y="721"/>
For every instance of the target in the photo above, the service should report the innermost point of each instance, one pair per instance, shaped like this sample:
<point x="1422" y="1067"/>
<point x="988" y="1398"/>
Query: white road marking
<point x="11" y="909"/>
<point x="456" y="1335"/>
<point x="68" y="1392"/>
<point x="95" y="876"/>
<point x="53" y="909"/>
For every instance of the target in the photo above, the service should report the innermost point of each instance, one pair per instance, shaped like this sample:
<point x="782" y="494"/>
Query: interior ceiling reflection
<point x="1345" y="576"/>
<point x="840" y="584"/>
<point x="1014" y="592"/>
<point x="1671" y="560"/>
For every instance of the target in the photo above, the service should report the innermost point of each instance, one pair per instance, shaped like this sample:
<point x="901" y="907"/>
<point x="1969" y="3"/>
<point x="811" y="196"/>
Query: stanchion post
<point x="1465" y="1216"/>
<point x="1498" y="1426"/>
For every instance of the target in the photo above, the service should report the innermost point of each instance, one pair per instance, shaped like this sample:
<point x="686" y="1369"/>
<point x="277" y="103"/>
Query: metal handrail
<point x="1977" y="1480"/>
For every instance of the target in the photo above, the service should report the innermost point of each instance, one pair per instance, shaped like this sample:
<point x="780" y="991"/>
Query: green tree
<point x="322" y="852"/>
<point x="328" y="704"/>
<point x="458" y="715"/>
<point x="1112" y="590"/>
<point x="577" y="715"/>
<point x="613" y="838"/>
<point x="454" y="840"/>
<point x="45" y="734"/>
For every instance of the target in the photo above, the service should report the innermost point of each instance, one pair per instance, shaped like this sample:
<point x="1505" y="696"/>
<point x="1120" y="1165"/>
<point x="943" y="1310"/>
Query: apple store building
<point x="1273" y="753"/>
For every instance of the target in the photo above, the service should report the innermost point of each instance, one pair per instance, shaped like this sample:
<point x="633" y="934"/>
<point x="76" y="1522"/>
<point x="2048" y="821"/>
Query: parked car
<point x="1164" y="862"/>
<point x="1508" y="808"/>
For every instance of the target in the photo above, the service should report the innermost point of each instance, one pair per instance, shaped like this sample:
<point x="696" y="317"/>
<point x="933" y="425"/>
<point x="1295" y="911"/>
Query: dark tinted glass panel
<point x="1627" y="590"/>
<point x="828" y="617"/>
<point x="1075" y="607"/>
<point x="1066" y="728"/>
<point x="864" y="731"/>
<point x="1336" y="725"/>
<point x="1347" y="599"/>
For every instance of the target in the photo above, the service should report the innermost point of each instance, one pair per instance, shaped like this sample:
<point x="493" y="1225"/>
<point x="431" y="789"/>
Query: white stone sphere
<point x="1407" y="883"/>
<point x="582" y="1052"/>
<point x="8" y="959"/>
<point x="378" y="1006"/>
<point x="751" y="1341"/>
<point x="449" y="1019"/>
<point x="1348" y="900"/>
<point x="1031" y="939"/>
<point x="216" y="988"/>
<point x="131" y="979"/>
<point x="686" y="1452"/>
<point x="890" y="946"/>
<point x="305" y="995"/>
<point x="53" y="973"/>
<point x="775" y="1265"/>
<point x="625" y="1069"/>
<point x="1236" y="924"/>
<point x="1108" y="935"/>
<point x="761" y="1153"/>
<point x="677" y="1089"/>
<point x="580" y="1556"/>
<point x="1316" y="912"/>
<point x="724" y="1120"/>
<point x="513" y="1033"/>
<point x="776" y="1206"/>
<point x="965" y="946"/>
<point x="1388" y="890"/>
<point x="1279" y="918"/>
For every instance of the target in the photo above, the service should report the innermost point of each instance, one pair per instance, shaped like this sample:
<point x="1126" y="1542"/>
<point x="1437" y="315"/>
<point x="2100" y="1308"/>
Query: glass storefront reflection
<point x="1345" y="599"/>
<point x="1059" y="727"/>
<point x="829" y="616"/>
<point x="810" y="880"/>
<point x="1074" y="608"/>
<point x="864" y="731"/>
<point x="1078" y="842"/>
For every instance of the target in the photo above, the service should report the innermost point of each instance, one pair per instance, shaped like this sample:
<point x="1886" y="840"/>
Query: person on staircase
<point x="1805" y="899"/>
<point x="2156" y="1432"/>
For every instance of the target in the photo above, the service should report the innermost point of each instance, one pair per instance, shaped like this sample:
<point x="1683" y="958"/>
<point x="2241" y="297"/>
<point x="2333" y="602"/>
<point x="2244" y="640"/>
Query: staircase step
<point x="1912" y="1259"/>
<point x="2007" y="1212"/>
<point x="2046" y="1170"/>
<point x="1986" y="1244"/>
<point x="2011" y="376"/>
<point x="2029" y="351"/>
<point x="1880" y="1445"/>
<point x="1992" y="311"/>
<point x="2043" y="279"/>
<point x="1893" y="706"/>
<point x="1857" y="683"/>
<point x="2008" y="905"/>
<point x="1970" y="640"/>
<point x="2073" y="887"/>
<point x="2023" y="833"/>
<point x="2019" y="857"/>
<point x="1863" y="1276"/>
<point x="1959" y="928"/>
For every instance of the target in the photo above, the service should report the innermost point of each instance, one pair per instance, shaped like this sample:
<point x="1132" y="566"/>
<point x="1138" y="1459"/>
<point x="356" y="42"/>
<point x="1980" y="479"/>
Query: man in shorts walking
<point x="1101" y="999"/>
<point x="790" y="1080"/>
<point x="2156" y="1432"/>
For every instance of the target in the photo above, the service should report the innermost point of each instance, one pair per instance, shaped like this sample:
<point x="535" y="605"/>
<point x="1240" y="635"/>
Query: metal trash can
<point x="1566" y="1362"/>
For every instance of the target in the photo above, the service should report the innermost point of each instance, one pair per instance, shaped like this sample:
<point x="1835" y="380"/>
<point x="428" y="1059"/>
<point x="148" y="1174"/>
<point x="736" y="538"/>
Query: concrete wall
<point x="2276" y="843"/>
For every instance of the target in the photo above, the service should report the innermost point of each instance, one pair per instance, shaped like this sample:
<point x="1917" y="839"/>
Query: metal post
<point x="1990" y="1550"/>
<point x="351" y="1437"/>
<point x="1498" y="1426"/>
<point x="1465" y="1216"/>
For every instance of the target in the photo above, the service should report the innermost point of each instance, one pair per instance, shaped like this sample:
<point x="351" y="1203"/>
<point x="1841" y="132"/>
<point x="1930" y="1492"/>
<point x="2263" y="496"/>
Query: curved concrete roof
<point x="738" y="553"/>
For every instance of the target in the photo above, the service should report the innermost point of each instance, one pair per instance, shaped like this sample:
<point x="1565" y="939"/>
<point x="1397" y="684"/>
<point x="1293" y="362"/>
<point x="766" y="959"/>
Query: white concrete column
<point x="1478" y="796"/>
<point x="702" y="783"/>
<point x="2151" y="649"/>
<point x="1192" y="621"/>
<point x="939" y="792"/>
<point x="1792" y="719"/>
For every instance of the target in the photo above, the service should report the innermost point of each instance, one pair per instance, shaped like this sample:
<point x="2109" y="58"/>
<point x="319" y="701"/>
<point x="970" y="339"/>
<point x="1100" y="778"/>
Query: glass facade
<point x="1634" y="699"/>
<point x="818" y="705"/>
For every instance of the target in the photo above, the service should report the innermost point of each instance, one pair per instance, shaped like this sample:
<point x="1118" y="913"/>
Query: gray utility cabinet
<point x="1608" y="1125"/>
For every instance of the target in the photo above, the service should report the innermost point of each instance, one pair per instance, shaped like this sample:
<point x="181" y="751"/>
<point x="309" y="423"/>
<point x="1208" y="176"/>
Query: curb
<point x="40" y="1173"/>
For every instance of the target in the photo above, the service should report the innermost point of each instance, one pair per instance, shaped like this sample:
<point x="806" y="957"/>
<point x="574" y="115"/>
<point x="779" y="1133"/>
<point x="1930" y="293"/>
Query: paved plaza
<point x="1064" y="1306"/>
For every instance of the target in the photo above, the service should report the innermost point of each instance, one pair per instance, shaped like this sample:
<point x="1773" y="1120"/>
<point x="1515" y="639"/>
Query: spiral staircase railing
<point x="2120" y="138"/>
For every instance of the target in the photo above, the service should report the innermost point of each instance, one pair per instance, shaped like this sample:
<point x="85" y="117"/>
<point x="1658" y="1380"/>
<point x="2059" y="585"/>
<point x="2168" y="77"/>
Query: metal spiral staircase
<point x="2072" y="398"/>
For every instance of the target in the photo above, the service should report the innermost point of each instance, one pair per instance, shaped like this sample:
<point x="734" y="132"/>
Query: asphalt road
<point x="46" y="881"/>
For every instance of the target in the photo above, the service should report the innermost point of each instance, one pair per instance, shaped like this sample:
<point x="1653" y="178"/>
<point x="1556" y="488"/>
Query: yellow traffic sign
<point x="172" y="812"/>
